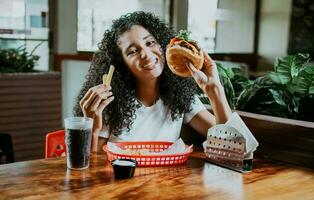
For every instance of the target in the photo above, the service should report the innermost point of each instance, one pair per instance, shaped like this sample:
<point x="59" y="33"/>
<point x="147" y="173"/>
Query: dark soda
<point x="78" y="142"/>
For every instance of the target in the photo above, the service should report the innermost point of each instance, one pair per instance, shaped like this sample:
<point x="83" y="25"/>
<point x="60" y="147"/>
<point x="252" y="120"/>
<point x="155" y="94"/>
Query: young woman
<point x="146" y="101"/>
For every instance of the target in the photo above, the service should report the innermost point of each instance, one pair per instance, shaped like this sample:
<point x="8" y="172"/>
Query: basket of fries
<point x="148" y="153"/>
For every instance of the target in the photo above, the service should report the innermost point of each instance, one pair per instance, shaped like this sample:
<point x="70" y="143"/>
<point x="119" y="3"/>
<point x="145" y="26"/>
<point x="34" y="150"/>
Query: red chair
<point x="55" y="144"/>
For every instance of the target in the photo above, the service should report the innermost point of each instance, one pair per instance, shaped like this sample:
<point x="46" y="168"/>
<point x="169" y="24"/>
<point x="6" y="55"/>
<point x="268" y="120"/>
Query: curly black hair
<point x="176" y="92"/>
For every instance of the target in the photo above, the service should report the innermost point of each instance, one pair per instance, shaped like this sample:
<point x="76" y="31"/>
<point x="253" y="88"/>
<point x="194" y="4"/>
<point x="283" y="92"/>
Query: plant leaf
<point x="278" y="97"/>
<point x="278" y="78"/>
<point x="289" y="66"/>
<point x="224" y="71"/>
<point x="252" y="89"/>
<point x="311" y="88"/>
<point x="184" y="34"/>
<point x="229" y="91"/>
<point x="303" y="83"/>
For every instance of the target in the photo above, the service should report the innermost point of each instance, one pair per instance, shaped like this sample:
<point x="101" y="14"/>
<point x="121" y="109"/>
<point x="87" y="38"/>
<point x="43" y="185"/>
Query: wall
<point x="180" y="12"/>
<point x="73" y="76"/>
<point x="274" y="31"/>
<point x="235" y="26"/>
<point x="72" y="72"/>
<point x="66" y="28"/>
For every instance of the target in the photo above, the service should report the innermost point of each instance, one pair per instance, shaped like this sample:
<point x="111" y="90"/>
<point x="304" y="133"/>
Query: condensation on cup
<point x="78" y="139"/>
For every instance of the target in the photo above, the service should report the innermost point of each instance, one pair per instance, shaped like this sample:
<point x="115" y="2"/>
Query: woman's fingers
<point x="97" y="101"/>
<point x="85" y="98"/>
<point x="207" y="59"/>
<point x="86" y="102"/>
<point x="191" y="67"/>
<point x="92" y="99"/>
<point x="104" y="103"/>
<point x="93" y="106"/>
<point x="198" y="75"/>
<point x="210" y="67"/>
<point x="208" y="63"/>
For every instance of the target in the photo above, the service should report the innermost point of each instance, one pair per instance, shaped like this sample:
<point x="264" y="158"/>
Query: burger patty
<point x="189" y="45"/>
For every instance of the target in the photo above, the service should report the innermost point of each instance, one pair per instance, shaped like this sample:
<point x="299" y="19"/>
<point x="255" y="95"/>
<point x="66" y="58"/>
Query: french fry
<point x="104" y="79"/>
<point x="109" y="75"/>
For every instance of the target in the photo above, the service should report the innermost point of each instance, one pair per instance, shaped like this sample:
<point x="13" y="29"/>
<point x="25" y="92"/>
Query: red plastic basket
<point x="149" y="160"/>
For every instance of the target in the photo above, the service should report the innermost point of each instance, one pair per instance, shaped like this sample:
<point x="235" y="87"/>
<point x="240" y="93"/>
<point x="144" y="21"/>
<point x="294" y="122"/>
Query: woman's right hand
<point x="94" y="102"/>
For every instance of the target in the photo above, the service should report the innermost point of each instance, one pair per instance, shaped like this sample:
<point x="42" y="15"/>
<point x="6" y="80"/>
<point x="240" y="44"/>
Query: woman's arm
<point x="98" y="142"/>
<point x="92" y="104"/>
<point x="203" y="120"/>
<point x="219" y="103"/>
<point x="101" y="143"/>
<point x="208" y="81"/>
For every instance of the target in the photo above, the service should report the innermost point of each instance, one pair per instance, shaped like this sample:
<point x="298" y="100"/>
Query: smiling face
<point x="141" y="53"/>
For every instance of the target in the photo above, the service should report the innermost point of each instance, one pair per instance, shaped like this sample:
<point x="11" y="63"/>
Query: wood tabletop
<point x="197" y="179"/>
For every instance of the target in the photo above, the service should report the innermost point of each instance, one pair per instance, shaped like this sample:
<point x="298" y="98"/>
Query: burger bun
<point x="178" y="57"/>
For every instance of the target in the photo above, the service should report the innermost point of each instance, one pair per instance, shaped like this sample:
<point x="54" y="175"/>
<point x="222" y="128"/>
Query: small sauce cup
<point x="124" y="168"/>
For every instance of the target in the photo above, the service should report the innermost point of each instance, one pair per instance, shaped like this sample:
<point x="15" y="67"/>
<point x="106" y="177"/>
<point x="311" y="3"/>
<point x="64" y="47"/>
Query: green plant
<point x="286" y="92"/>
<point x="17" y="60"/>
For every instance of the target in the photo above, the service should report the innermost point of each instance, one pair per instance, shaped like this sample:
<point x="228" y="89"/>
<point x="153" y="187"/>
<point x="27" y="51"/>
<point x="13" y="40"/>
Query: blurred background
<point x="64" y="34"/>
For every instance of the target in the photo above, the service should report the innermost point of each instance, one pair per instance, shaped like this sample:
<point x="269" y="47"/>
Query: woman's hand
<point x="208" y="78"/>
<point x="94" y="102"/>
<point x="208" y="81"/>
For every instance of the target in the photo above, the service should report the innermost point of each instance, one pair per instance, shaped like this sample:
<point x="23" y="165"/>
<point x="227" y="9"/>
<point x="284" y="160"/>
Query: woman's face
<point x="141" y="53"/>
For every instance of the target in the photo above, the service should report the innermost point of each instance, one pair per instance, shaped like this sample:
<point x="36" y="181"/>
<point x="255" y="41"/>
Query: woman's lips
<point x="151" y="65"/>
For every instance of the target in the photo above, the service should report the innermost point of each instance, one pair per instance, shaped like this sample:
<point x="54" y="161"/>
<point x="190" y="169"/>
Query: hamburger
<point x="180" y="51"/>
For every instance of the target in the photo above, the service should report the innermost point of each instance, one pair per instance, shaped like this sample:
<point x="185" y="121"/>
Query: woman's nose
<point x="145" y="53"/>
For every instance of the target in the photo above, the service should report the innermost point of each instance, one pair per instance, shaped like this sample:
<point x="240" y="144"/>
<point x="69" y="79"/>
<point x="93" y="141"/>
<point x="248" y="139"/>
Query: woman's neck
<point x="148" y="92"/>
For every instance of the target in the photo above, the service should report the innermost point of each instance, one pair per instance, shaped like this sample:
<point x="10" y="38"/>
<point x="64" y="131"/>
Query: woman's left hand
<point x="207" y="78"/>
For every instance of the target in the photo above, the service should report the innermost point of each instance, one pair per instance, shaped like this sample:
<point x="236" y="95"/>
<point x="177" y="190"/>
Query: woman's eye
<point x="132" y="52"/>
<point x="151" y="43"/>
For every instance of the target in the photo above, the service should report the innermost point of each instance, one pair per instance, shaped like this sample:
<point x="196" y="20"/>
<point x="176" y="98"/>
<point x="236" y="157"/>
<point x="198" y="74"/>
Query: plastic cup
<point x="78" y="137"/>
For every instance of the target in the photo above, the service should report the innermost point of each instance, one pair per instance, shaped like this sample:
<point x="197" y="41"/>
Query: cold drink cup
<point x="78" y="139"/>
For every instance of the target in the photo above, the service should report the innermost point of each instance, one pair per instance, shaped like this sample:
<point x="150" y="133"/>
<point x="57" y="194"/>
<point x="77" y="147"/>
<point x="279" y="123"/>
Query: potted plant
<point x="17" y="60"/>
<point x="30" y="102"/>
<point x="277" y="107"/>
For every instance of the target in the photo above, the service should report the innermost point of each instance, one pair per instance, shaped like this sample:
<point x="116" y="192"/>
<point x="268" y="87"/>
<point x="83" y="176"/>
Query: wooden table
<point x="197" y="179"/>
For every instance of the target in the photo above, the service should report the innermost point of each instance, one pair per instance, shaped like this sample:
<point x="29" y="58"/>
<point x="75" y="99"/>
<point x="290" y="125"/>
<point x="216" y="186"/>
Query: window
<point x="223" y="26"/>
<point x="25" y="23"/>
<point x="94" y="17"/>
<point x="202" y="22"/>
